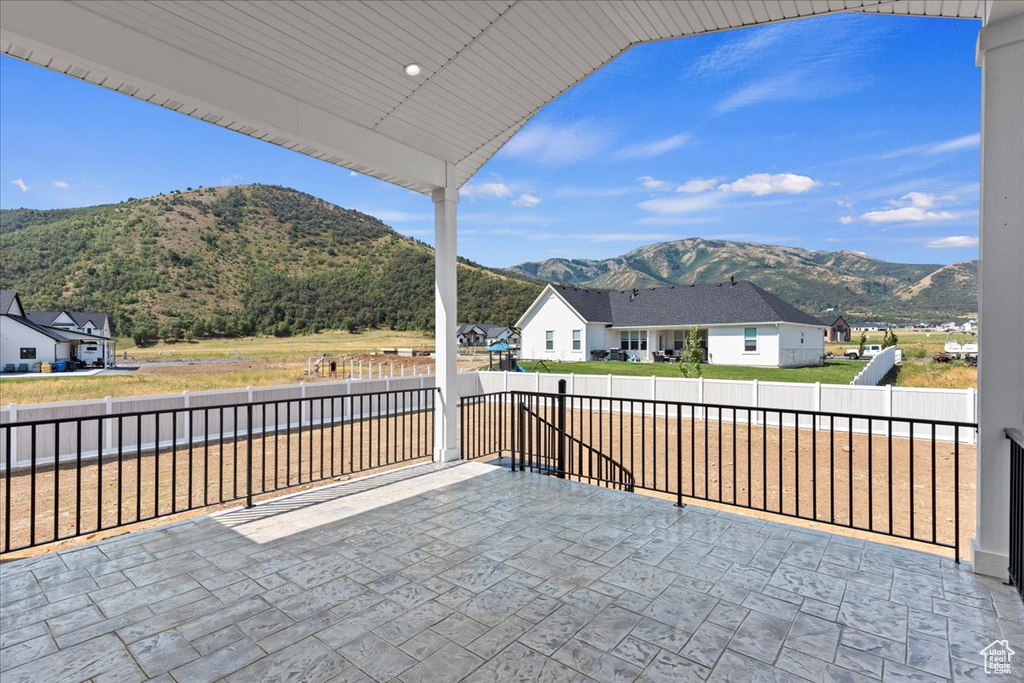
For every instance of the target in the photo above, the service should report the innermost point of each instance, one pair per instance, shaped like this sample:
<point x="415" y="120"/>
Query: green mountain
<point x="238" y="260"/>
<point x="861" y="287"/>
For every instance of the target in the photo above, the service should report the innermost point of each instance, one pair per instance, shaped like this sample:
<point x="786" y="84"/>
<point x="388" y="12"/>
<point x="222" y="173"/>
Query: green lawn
<point x="833" y="372"/>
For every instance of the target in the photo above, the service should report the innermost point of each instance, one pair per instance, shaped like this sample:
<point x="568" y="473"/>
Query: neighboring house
<point x="478" y="334"/>
<point x="739" y="323"/>
<point x="839" y="331"/>
<point x="31" y="337"/>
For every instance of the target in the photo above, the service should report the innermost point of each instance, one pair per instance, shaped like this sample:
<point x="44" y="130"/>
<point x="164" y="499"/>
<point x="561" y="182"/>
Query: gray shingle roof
<point x="50" y="332"/>
<point x="6" y="299"/>
<point x="80" y="318"/>
<point x="699" y="304"/>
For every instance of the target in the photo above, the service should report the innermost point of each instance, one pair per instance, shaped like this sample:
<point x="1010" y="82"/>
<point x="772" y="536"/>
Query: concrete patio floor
<point x="468" y="572"/>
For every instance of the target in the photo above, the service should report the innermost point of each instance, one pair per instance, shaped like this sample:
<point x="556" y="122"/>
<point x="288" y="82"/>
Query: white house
<point x="29" y="338"/>
<point x="740" y="324"/>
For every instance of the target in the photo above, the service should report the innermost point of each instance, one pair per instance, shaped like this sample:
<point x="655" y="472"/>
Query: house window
<point x="576" y="340"/>
<point x="678" y="340"/>
<point x="635" y="340"/>
<point x="801" y="337"/>
<point x="750" y="339"/>
<point x="549" y="340"/>
<point x="28" y="353"/>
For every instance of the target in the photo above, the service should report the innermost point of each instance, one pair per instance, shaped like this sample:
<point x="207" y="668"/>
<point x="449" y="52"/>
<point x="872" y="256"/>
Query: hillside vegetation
<point x="861" y="287"/>
<point x="235" y="261"/>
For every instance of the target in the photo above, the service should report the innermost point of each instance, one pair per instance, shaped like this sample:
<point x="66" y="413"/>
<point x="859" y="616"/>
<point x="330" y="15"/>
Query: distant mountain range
<point x="267" y="259"/>
<point x="860" y="287"/>
<point x="238" y="260"/>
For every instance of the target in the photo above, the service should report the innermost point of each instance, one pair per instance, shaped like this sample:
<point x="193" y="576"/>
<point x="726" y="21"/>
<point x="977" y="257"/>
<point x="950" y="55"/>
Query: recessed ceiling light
<point x="412" y="70"/>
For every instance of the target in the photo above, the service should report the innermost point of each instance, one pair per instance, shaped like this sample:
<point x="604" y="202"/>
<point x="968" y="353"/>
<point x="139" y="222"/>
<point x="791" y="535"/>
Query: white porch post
<point x="1001" y="319"/>
<point x="446" y="414"/>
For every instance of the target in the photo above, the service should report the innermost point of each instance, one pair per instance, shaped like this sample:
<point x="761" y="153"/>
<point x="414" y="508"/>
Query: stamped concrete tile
<point x="608" y="628"/>
<point x="707" y="643"/>
<point x="681" y="608"/>
<point x="380" y="660"/>
<point x="218" y="639"/>
<point x="735" y="668"/>
<point x="928" y="653"/>
<point x="760" y="636"/>
<point x="875" y="645"/>
<point x="664" y="636"/>
<point x="898" y="673"/>
<point x="424" y="644"/>
<point x="448" y="665"/>
<point x="492" y="642"/>
<point x="220" y="663"/>
<point x="76" y="663"/>
<point x="498" y="602"/>
<point x="639" y="577"/>
<point x="459" y="629"/>
<point x="597" y="663"/>
<point x="26" y="651"/>
<point x="520" y="663"/>
<point x="859" y="662"/>
<point x="636" y="651"/>
<point x="308" y="661"/>
<point x="160" y="653"/>
<point x="814" y="636"/>
<point x="881" y="617"/>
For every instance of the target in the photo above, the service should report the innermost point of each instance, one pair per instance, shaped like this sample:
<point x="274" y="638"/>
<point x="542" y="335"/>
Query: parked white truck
<point x="869" y="351"/>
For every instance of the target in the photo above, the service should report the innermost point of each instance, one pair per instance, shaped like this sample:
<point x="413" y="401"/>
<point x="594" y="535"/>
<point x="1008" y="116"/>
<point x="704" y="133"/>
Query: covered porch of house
<point x="466" y="572"/>
<point x="448" y="572"/>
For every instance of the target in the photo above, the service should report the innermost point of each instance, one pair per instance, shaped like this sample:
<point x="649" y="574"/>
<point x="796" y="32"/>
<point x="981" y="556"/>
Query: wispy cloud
<point x="526" y="200"/>
<point x="20" y="184"/>
<point x="486" y="190"/>
<point x="558" y="145"/>
<point x="760" y="184"/>
<point x="60" y="185"/>
<point x="698" y="185"/>
<point x="953" y="241"/>
<point x="791" y="62"/>
<point x="846" y="220"/>
<point x="655" y="148"/>
<point x="233" y="179"/>
<point x="653" y="184"/>
<point x="938" y="147"/>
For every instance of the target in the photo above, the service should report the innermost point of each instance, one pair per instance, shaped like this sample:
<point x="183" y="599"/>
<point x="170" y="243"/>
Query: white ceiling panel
<point x="326" y="78"/>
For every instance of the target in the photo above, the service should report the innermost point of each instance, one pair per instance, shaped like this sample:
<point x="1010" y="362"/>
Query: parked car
<point x="942" y="358"/>
<point x="870" y="351"/>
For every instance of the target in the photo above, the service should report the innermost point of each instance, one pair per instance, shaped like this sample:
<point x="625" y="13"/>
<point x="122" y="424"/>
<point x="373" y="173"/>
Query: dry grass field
<point x="918" y="369"/>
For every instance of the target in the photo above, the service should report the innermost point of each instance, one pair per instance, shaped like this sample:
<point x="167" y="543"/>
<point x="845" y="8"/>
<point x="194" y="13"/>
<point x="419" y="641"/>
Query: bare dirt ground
<point x="814" y="480"/>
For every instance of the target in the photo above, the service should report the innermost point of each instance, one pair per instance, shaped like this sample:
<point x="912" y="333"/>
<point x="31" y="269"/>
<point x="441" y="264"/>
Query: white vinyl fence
<point x="881" y="402"/>
<point x="876" y="370"/>
<point x="907" y="403"/>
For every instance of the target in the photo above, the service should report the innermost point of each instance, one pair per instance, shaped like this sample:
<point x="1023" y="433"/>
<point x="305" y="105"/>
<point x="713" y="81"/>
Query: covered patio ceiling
<point x="327" y="79"/>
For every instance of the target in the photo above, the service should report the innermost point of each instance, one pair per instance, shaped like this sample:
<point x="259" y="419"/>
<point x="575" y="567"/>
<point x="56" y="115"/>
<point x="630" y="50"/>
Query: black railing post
<point x="248" y="469"/>
<point x="561" y="428"/>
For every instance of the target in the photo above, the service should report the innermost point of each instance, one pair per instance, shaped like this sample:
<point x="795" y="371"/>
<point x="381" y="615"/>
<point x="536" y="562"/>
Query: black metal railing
<point x="893" y="476"/>
<point x="484" y="423"/>
<point x="69" y="477"/>
<point x="1016" y="568"/>
<point x="545" y="446"/>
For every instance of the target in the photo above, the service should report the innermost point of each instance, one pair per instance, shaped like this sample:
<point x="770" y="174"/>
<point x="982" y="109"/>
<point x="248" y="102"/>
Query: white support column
<point x="1001" y="313"/>
<point x="446" y="414"/>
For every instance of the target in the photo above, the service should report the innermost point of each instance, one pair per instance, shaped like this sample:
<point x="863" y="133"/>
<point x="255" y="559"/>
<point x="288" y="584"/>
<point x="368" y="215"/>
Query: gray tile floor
<point x="468" y="572"/>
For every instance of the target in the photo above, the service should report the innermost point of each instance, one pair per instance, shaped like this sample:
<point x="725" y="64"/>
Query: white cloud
<point x="698" y="185"/>
<point x="844" y="203"/>
<point x="679" y="205"/>
<point x="954" y="241"/>
<point x="938" y="147"/>
<point x="654" y="148"/>
<point x="913" y="207"/>
<point x="60" y="185"/>
<point x="20" y="184"/>
<point x="486" y="190"/>
<point x="653" y="184"/>
<point x="557" y="145"/>
<point x="907" y="214"/>
<point x="760" y="184"/>
<point x="846" y="220"/>
<point x="526" y="200"/>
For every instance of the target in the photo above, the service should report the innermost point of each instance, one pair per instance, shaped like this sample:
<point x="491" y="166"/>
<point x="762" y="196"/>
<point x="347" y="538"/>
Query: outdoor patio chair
<point x="23" y="367"/>
<point x="9" y="367"/>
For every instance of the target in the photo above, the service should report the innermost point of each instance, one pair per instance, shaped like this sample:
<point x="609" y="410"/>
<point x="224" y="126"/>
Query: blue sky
<point x="842" y="132"/>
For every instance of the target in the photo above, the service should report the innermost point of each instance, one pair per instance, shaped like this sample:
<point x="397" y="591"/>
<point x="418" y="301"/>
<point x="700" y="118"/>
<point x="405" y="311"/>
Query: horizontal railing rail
<point x="100" y="472"/>
<point x="1016" y="568"/>
<point x="847" y="470"/>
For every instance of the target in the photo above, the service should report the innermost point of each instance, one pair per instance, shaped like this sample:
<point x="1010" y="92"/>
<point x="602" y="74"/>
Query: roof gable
<point x="10" y="303"/>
